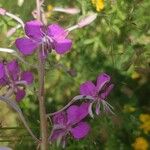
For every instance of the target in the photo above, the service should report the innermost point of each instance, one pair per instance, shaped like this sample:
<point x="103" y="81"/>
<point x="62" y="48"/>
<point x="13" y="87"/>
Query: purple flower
<point x="70" y="122"/>
<point x="16" y="80"/>
<point x="51" y="37"/>
<point x="99" y="92"/>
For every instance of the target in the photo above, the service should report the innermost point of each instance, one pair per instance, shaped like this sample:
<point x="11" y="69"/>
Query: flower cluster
<point x="71" y="121"/>
<point x="14" y="79"/>
<point x="44" y="39"/>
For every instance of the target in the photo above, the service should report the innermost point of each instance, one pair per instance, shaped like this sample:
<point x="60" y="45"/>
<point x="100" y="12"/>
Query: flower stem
<point x="76" y="98"/>
<point x="41" y="98"/>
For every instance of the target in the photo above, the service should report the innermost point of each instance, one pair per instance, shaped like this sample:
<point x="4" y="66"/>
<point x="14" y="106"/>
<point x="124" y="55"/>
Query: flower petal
<point x="20" y="94"/>
<point x="72" y="114"/>
<point x="27" y="76"/>
<point x="62" y="46"/>
<point x="33" y="29"/>
<point x="4" y="81"/>
<point x="107" y="91"/>
<point x="81" y="130"/>
<point x="56" y="134"/>
<point x="56" y="31"/>
<point x="87" y="89"/>
<point x="83" y="111"/>
<point x="102" y="80"/>
<point x="26" y="46"/>
<point x="76" y="113"/>
<point x="2" y="71"/>
<point x="60" y="119"/>
<point x="13" y="69"/>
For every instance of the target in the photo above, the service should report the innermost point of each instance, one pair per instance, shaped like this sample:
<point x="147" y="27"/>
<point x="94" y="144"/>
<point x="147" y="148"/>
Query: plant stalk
<point x="41" y="91"/>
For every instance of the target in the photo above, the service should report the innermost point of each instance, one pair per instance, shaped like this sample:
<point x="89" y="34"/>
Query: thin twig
<point x="76" y="98"/>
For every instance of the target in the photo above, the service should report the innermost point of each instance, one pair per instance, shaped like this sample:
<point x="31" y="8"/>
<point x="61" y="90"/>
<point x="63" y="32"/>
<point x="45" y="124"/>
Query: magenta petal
<point x="81" y="130"/>
<point x="26" y="45"/>
<point x="87" y="89"/>
<point x="72" y="114"/>
<point x="76" y="113"/>
<point x="13" y="69"/>
<point x="2" y="71"/>
<point x="62" y="46"/>
<point x="83" y="111"/>
<point x="56" y="31"/>
<point x="107" y="91"/>
<point x="102" y="80"/>
<point x="33" y="29"/>
<point x="27" y="76"/>
<point x="60" y="119"/>
<point x="20" y="94"/>
<point x="56" y="134"/>
<point x="3" y="81"/>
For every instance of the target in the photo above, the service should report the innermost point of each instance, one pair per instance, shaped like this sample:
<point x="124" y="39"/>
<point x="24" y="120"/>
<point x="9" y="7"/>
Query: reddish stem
<point x="41" y="93"/>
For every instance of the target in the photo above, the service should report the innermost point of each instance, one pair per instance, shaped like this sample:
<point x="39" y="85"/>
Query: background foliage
<point x="116" y="43"/>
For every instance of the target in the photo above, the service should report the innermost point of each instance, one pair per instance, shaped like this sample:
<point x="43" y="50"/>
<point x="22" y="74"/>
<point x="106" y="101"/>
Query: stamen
<point x="90" y="110"/>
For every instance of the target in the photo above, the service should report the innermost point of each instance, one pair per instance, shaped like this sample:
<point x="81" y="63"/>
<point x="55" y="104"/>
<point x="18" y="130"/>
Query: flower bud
<point x="71" y="11"/>
<point x="87" y="20"/>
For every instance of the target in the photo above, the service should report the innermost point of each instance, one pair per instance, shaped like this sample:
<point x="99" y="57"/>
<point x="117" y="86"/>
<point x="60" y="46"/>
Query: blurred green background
<point x="116" y="43"/>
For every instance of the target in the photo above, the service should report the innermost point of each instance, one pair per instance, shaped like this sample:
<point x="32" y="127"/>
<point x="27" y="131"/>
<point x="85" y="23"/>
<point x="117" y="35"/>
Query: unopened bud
<point x="2" y="11"/>
<point x="87" y="20"/>
<point x="83" y="22"/>
<point x="71" y="11"/>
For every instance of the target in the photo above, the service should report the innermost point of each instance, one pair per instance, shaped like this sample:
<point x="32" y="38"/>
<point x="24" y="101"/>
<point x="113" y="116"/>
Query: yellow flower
<point x="129" y="109"/>
<point x="145" y="126"/>
<point x="135" y="75"/>
<point x="49" y="7"/>
<point x="140" y="144"/>
<point x="99" y="4"/>
<point x="144" y="117"/>
<point x="48" y="14"/>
